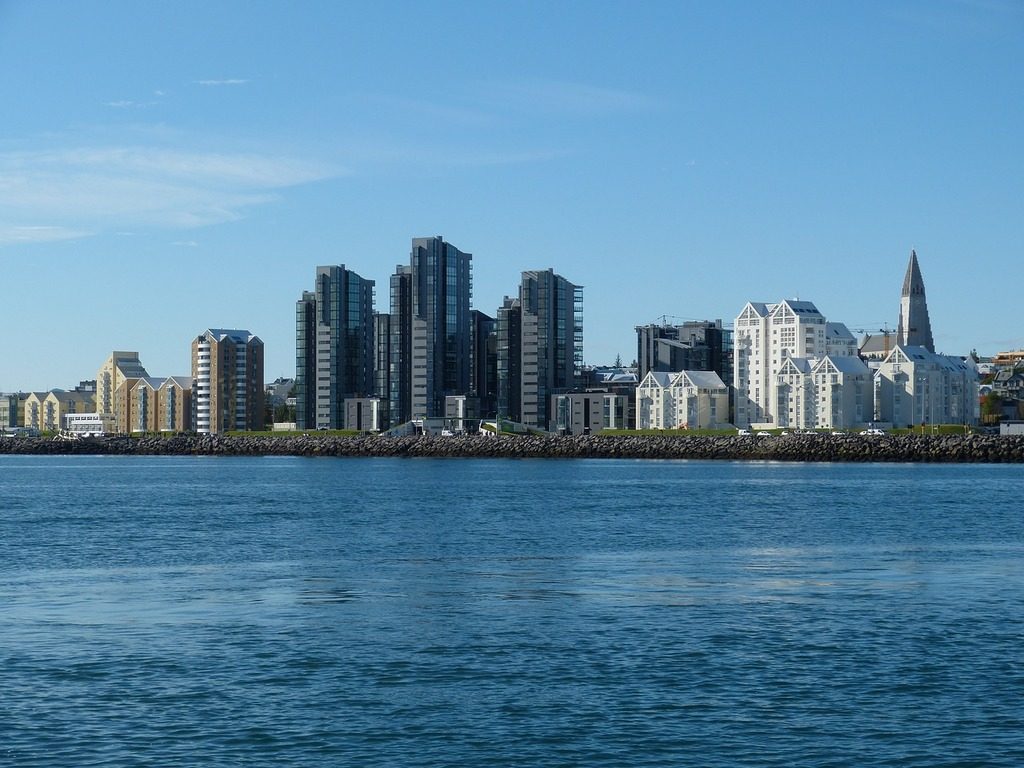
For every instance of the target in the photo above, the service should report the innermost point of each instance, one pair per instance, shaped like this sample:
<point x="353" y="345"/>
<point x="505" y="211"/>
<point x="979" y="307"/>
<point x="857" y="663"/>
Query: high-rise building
<point x="430" y="330"/>
<point x="692" y="346"/>
<point x="483" y="360"/>
<point x="547" y="356"/>
<point x="382" y="363"/>
<point x="227" y="370"/>
<point x="400" y="347"/>
<point x="334" y="347"/>
<point x="509" y="359"/>
<point x="914" y="329"/>
<point x="765" y="337"/>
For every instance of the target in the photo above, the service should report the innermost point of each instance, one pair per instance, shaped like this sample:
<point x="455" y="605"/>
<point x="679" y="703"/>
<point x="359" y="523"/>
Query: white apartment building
<point x="830" y="393"/>
<point x="681" y="400"/>
<point x="764" y="337"/>
<point x="914" y="386"/>
<point x="839" y="342"/>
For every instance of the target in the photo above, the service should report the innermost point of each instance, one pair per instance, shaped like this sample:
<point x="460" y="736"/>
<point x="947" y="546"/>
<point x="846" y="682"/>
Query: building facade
<point x="174" y="405"/>
<point x="483" y="363"/>
<point x="509" y="336"/>
<point x="32" y="410"/>
<point x="399" y="348"/>
<point x="577" y="413"/>
<point x="682" y="400"/>
<point x="429" y="347"/>
<point x="227" y="368"/>
<point x="45" y="411"/>
<point x="540" y="346"/>
<point x="334" y="357"/>
<point x="364" y="414"/>
<point x="914" y="386"/>
<point x="111" y="375"/>
<point x="382" y="365"/>
<point x="764" y="337"/>
<point x="149" y="405"/>
<point x="691" y="346"/>
<point x="828" y="393"/>
<point x="442" y="293"/>
<point x="12" y="410"/>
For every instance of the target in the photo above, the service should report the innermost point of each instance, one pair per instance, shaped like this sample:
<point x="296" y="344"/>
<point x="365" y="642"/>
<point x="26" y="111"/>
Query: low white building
<point x="681" y="400"/>
<point x="914" y="386"/>
<point x="844" y="392"/>
<point x="830" y="393"/>
<point x="590" y="412"/>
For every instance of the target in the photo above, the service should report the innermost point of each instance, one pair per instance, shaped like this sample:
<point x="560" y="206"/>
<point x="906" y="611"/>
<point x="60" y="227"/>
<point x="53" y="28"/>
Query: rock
<point x="812" y="447"/>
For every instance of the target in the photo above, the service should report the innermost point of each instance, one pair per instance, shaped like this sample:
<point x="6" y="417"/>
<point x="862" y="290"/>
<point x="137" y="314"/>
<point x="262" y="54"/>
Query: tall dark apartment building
<point x="483" y="360"/>
<point x="509" y="327"/>
<point x="382" y="363"/>
<point x="399" y="347"/>
<point x="430" y="330"/>
<point x="540" y="346"/>
<point x="334" y="347"/>
<point x="692" y="346"/>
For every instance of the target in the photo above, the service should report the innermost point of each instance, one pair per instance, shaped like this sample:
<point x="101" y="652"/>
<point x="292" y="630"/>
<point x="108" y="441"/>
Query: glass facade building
<point x="540" y="346"/>
<point x="334" y="343"/>
<point x="430" y="330"/>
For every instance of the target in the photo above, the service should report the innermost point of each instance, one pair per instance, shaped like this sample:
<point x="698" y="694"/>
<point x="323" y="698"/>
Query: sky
<point x="168" y="168"/>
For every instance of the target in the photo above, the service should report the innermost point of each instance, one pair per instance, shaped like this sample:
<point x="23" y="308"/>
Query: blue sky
<point x="169" y="168"/>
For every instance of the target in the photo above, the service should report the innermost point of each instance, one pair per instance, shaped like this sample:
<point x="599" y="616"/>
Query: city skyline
<point x="166" y="170"/>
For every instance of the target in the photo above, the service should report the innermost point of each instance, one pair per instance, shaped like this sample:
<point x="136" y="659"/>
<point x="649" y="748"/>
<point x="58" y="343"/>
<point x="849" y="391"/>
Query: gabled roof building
<point x="681" y="400"/>
<point x="111" y="375"/>
<point x="914" y="386"/>
<point x="764" y="336"/>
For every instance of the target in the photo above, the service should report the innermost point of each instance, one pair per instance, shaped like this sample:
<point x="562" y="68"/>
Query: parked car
<point x="743" y="432"/>
<point x="872" y="431"/>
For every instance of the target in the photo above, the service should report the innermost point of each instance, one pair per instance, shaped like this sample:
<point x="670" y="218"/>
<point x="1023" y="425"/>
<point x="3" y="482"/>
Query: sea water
<point x="198" y="611"/>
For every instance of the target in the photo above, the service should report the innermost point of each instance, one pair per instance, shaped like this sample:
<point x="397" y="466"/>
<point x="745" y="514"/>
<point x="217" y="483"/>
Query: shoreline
<point x="794" y="448"/>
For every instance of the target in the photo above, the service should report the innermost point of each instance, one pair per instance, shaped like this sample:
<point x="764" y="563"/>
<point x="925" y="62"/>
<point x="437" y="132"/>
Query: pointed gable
<point x="753" y="310"/>
<point x="795" y="366"/>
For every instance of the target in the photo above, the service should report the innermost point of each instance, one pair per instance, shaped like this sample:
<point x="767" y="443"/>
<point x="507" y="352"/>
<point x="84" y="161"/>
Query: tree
<point x="991" y="405"/>
<point x="618" y="361"/>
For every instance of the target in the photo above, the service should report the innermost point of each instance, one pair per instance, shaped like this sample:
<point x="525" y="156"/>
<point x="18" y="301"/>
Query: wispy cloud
<point x="12" y="234"/>
<point x="224" y="81"/>
<point x="67" y="193"/>
<point x="186" y="243"/>
<point x="129" y="104"/>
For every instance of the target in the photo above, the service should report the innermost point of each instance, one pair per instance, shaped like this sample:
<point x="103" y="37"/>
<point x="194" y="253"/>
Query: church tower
<point x="914" y="329"/>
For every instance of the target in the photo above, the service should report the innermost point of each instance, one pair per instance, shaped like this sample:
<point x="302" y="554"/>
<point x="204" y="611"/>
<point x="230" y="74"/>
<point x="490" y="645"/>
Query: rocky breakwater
<point x="796" y="447"/>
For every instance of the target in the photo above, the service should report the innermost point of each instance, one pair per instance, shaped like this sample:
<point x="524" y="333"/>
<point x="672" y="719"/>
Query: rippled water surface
<point x="395" y="612"/>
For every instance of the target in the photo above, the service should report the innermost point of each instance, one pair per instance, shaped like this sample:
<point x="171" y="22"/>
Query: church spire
<point x="914" y="329"/>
